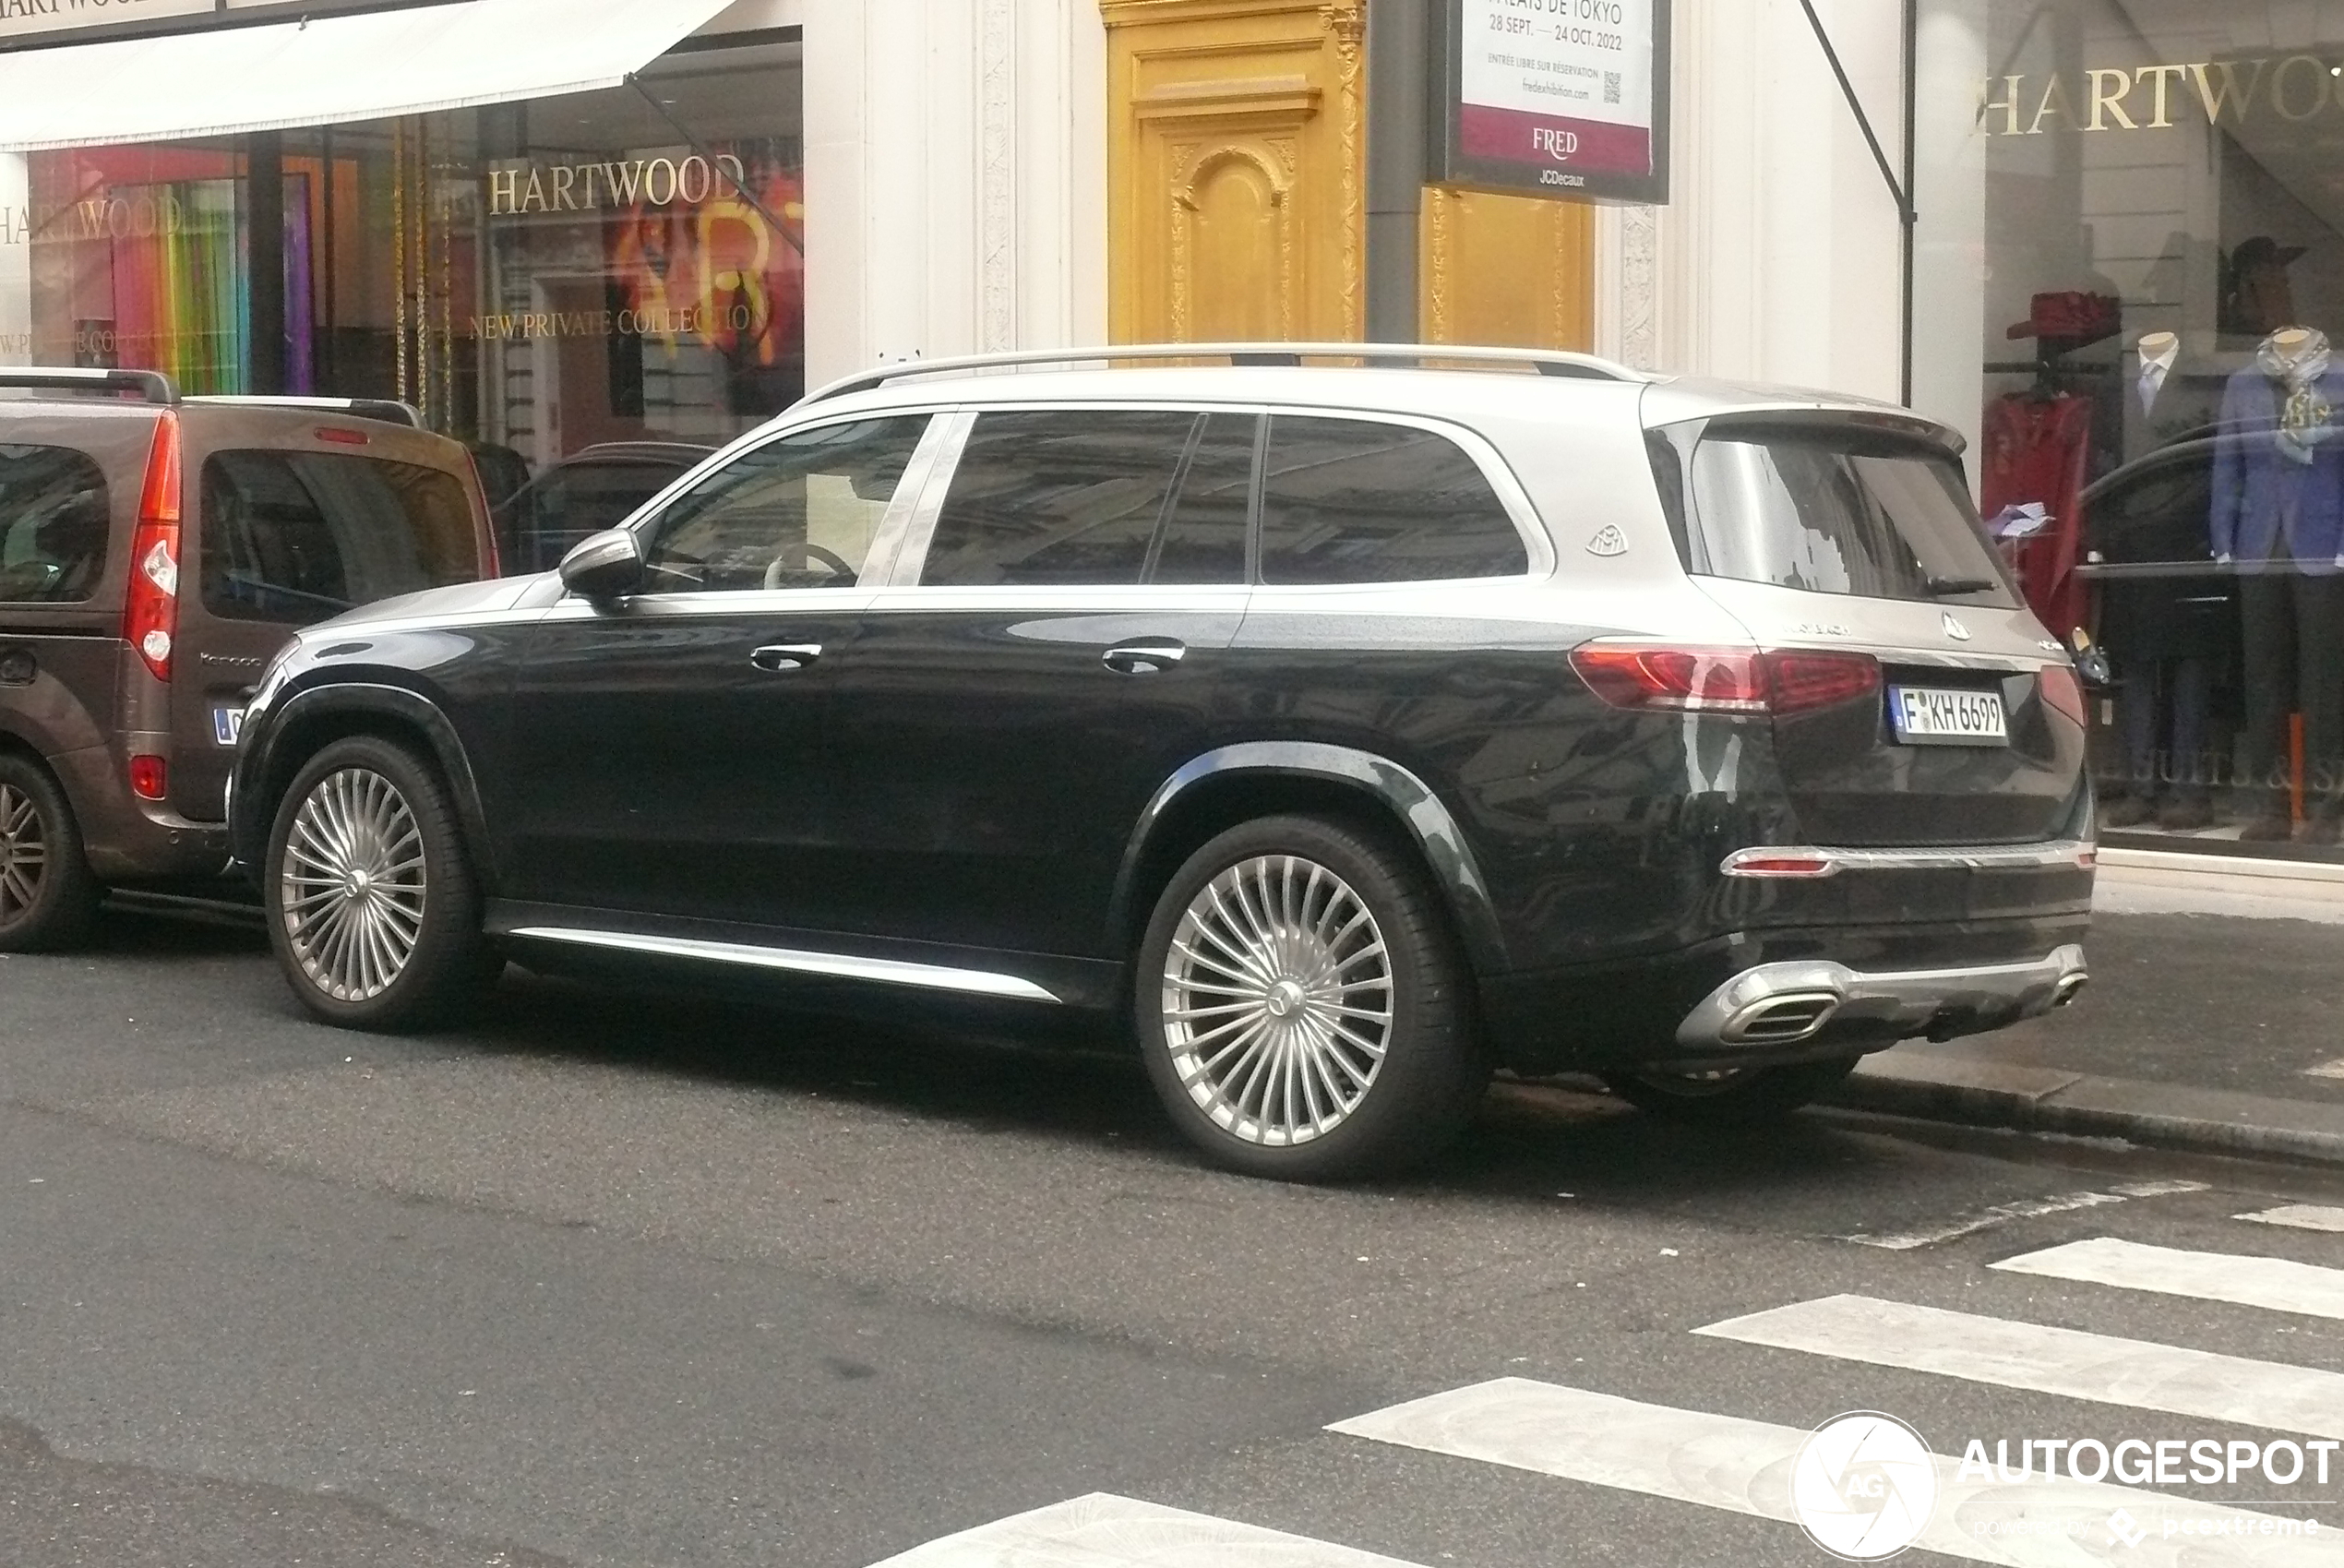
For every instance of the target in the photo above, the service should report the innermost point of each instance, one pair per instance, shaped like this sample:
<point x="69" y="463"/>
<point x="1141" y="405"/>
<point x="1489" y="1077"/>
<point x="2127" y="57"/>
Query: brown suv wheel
<point x="48" y="897"/>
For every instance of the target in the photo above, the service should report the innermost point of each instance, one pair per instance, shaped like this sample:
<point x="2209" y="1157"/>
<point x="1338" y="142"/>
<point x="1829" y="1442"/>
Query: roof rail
<point x="151" y="384"/>
<point x="1381" y="355"/>
<point x="385" y="409"/>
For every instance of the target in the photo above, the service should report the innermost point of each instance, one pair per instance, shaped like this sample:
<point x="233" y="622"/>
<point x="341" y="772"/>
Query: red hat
<point x="2084" y="318"/>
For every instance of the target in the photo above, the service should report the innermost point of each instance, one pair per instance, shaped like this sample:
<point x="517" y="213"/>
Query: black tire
<point x="1745" y="1097"/>
<point x="448" y="962"/>
<point x="1409" y="1106"/>
<point x="48" y="896"/>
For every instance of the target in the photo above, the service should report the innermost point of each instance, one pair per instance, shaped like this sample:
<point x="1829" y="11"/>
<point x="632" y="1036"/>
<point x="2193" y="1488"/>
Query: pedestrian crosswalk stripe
<point x="1729" y="1462"/>
<point x="2051" y="1360"/>
<point x="2279" y="1284"/>
<point x="2303" y="1216"/>
<point x="1103" y="1530"/>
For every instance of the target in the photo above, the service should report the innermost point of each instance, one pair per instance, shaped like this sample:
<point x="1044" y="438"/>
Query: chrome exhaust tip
<point x="2070" y="987"/>
<point x="1781" y="1020"/>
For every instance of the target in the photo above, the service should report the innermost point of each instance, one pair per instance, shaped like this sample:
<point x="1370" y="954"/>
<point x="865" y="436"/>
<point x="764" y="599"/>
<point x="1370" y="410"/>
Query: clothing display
<point x="2277" y="514"/>
<point x="2038" y="449"/>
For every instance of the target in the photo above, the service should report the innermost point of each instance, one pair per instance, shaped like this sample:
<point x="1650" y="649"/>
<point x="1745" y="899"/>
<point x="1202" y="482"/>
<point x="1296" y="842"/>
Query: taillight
<point x="150" y="778"/>
<point x="151" y="615"/>
<point x="1723" y="681"/>
<point x="340" y="436"/>
<point x="2063" y="692"/>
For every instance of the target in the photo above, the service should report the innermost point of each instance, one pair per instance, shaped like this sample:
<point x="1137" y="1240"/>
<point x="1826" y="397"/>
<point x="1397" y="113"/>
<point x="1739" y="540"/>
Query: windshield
<point x="1831" y="511"/>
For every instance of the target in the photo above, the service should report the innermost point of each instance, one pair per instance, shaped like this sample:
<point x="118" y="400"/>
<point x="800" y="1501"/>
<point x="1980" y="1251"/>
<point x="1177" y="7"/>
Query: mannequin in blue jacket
<point x="2278" y="519"/>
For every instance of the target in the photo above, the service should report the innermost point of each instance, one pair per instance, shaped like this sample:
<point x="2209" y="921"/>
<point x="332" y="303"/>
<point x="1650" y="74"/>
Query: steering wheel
<point x="777" y="570"/>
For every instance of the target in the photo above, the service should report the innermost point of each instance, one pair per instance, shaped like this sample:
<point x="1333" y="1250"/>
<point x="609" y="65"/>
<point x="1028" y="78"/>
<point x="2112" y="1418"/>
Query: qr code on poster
<point x="1611" y="87"/>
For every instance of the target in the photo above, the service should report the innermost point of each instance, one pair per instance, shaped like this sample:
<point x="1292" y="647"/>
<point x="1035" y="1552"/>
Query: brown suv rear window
<point x="54" y="522"/>
<point x="302" y="536"/>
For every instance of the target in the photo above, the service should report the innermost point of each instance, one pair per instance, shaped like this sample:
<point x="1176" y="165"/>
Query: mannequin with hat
<point x="2279" y="520"/>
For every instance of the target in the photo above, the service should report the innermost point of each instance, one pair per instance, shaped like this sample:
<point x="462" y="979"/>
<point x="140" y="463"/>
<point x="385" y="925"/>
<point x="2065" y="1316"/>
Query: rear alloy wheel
<point x="48" y="897"/>
<point x="1302" y="1006"/>
<point x="372" y="907"/>
<point x="1732" y="1097"/>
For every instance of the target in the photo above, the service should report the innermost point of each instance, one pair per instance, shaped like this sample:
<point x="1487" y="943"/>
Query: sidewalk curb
<point x="1919" y="1082"/>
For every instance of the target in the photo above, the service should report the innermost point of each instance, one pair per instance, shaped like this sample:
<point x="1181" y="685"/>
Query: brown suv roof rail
<point x="151" y="384"/>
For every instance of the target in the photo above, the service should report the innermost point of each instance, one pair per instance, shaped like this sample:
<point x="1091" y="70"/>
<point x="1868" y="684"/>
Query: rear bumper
<point x="1879" y="983"/>
<point x="1791" y="1002"/>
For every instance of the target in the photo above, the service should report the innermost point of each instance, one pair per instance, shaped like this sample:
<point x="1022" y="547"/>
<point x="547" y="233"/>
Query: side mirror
<point x="603" y="566"/>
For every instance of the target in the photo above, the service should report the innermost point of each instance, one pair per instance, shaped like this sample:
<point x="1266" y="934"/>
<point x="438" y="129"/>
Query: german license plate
<point x="1931" y="716"/>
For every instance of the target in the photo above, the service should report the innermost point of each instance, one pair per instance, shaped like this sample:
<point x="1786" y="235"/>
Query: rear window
<point x="1834" y="511"/>
<point x="300" y="536"/>
<point x="52" y="525"/>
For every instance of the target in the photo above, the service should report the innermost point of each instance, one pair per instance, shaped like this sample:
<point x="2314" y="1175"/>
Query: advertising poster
<point x="1558" y="98"/>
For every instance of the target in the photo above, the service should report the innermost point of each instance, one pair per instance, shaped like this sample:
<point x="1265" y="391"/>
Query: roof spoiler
<point x="151" y="384"/>
<point x="383" y="410"/>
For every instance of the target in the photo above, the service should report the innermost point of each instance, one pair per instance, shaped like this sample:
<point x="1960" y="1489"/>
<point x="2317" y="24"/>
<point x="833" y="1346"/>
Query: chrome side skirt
<point x="800" y="960"/>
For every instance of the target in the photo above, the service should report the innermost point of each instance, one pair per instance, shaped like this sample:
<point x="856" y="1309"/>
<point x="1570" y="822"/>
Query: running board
<point x="798" y="961"/>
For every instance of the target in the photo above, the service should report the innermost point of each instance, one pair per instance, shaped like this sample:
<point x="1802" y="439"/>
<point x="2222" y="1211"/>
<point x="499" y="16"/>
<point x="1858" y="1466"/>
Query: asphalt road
<point x="630" y="1281"/>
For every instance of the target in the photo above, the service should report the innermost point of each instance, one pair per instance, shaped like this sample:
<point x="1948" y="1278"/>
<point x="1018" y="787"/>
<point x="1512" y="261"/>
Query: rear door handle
<point x="1146" y="658"/>
<point x="780" y="658"/>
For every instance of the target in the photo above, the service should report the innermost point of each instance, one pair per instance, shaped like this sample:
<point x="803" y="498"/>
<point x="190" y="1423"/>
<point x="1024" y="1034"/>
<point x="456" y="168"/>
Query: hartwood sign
<point x="24" y="18"/>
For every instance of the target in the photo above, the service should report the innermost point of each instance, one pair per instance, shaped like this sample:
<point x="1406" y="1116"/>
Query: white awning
<point x="334" y="69"/>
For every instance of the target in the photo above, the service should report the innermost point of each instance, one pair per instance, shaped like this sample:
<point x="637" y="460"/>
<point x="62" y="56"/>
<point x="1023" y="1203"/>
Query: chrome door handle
<point x="781" y="657"/>
<point x="1144" y="658"/>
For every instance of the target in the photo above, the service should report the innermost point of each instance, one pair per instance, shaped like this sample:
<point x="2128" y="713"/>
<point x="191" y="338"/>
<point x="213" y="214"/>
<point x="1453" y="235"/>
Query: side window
<point x="798" y="513"/>
<point x="53" y="521"/>
<point x="298" y="537"/>
<point x="1203" y="539"/>
<point x="1347" y="500"/>
<point x="1059" y="496"/>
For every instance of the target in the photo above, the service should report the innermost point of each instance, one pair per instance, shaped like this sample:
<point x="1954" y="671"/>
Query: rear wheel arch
<point x="1236" y="784"/>
<point x="314" y="720"/>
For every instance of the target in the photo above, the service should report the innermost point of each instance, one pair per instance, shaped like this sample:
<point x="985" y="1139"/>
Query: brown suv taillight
<point x="151" y="616"/>
<point x="1723" y="681"/>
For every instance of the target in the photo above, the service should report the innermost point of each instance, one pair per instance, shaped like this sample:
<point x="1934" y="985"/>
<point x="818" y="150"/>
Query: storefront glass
<point x="2143" y="205"/>
<point x="537" y="278"/>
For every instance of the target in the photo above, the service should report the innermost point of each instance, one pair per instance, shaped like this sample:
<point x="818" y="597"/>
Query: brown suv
<point x="155" y="552"/>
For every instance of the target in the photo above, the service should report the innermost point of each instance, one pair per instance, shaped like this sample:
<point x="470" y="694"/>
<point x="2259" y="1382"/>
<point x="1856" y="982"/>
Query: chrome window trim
<point x="800" y="960"/>
<point x="2075" y="853"/>
<point x="920" y="528"/>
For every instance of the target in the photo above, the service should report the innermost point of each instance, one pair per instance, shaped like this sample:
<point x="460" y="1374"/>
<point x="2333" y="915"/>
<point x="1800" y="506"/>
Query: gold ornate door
<point x="1236" y="169"/>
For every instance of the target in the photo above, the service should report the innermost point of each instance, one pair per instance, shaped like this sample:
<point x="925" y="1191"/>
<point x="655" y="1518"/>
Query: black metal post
<point x="265" y="258"/>
<point x="1400" y="40"/>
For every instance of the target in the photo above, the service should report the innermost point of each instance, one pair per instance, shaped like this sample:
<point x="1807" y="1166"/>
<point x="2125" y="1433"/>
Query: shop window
<point x="53" y="522"/>
<point x="798" y="513"/>
<point x="1354" y="501"/>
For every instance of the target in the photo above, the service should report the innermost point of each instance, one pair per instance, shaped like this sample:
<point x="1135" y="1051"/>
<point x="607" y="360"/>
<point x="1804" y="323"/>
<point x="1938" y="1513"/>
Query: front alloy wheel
<point x="373" y="906"/>
<point x="354" y="885"/>
<point x="1302" y="1006"/>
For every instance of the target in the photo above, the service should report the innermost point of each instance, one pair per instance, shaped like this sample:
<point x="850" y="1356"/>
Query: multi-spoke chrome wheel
<point x="24" y="853"/>
<point x="353" y="884"/>
<point x="1277" y="999"/>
